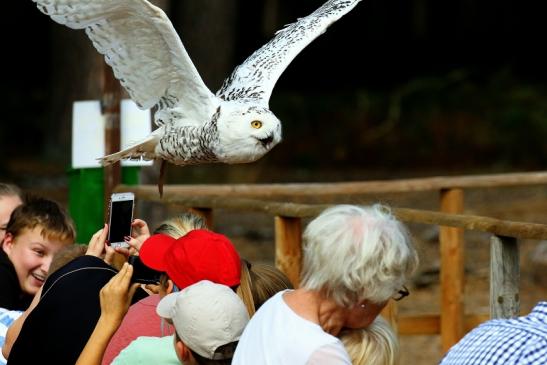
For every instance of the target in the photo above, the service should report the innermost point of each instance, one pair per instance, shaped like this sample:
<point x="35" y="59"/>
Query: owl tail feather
<point x="143" y="149"/>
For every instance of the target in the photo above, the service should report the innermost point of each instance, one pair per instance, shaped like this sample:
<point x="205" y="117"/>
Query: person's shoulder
<point x="151" y="341"/>
<point x="10" y="290"/>
<point x="7" y="317"/>
<point x="274" y="303"/>
<point x="331" y="353"/>
<point x="143" y="312"/>
<point x="149" y="301"/>
<point x="148" y="350"/>
<point x="78" y="264"/>
<point x="88" y="261"/>
<point x="496" y="336"/>
<point x="8" y="279"/>
<point x="7" y="270"/>
<point x="5" y="262"/>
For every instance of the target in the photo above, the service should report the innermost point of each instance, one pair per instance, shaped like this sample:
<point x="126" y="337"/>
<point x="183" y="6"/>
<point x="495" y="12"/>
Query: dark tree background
<point x="394" y="88"/>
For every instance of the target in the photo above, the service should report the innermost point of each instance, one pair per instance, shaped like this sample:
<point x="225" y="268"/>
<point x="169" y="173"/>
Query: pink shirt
<point x="140" y="320"/>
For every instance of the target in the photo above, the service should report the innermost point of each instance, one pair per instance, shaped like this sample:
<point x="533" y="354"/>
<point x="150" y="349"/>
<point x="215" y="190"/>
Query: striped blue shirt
<point x="6" y="319"/>
<point x="516" y="341"/>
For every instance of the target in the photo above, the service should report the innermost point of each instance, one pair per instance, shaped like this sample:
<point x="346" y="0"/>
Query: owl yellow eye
<point x="256" y="124"/>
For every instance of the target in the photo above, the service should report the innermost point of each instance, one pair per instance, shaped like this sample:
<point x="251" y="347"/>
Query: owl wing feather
<point x="255" y="78"/>
<point x="140" y="44"/>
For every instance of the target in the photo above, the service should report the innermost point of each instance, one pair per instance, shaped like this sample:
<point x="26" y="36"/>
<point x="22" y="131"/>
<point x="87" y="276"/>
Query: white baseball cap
<point x="206" y="316"/>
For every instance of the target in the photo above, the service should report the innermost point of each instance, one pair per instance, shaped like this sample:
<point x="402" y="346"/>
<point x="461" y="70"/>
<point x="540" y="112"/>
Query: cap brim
<point x="165" y="306"/>
<point x="153" y="251"/>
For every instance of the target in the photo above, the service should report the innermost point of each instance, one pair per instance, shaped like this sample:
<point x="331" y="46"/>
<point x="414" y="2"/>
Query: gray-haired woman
<point x="355" y="260"/>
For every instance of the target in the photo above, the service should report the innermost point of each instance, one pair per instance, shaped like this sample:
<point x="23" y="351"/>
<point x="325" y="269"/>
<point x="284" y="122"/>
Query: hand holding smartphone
<point x="142" y="273"/>
<point x="120" y="218"/>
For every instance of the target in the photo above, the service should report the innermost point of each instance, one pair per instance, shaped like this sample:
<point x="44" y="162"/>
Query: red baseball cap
<point x="198" y="255"/>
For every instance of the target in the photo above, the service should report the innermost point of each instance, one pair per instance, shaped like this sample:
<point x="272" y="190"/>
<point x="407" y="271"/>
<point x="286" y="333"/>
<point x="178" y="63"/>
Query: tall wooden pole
<point x="452" y="271"/>
<point x="110" y="104"/>
<point x="504" y="277"/>
<point x="288" y="247"/>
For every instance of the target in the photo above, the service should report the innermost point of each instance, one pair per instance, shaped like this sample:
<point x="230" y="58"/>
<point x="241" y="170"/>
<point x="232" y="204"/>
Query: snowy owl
<point x="194" y="125"/>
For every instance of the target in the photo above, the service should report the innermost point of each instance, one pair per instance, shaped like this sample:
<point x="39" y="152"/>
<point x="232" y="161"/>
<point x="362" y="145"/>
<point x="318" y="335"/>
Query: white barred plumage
<point x="194" y="125"/>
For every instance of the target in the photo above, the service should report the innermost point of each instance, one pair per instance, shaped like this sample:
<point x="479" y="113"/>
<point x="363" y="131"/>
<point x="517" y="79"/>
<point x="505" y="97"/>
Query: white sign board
<point x="87" y="134"/>
<point x="88" y="131"/>
<point x="135" y="125"/>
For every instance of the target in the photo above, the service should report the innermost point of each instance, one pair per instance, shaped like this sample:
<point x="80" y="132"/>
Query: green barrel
<point x="86" y="198"/>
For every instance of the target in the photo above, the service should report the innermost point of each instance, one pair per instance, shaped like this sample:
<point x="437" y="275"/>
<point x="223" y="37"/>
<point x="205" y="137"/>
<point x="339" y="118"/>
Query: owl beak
<point x="266" y="141"/>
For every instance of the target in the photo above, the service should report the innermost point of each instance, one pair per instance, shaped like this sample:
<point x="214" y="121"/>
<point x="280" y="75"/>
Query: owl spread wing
<point x="142" y="47"/>
<point x="255" y="78"/>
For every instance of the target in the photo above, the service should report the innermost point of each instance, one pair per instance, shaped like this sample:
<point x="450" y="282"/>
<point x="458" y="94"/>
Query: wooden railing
<point x="278" y="191"/>
<point x="452" y="323"/>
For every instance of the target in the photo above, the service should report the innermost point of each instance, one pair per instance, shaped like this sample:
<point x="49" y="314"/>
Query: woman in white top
<point x="355" y="260"/>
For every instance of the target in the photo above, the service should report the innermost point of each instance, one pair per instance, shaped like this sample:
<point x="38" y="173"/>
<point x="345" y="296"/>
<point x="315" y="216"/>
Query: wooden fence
<point x="452" y="323"/>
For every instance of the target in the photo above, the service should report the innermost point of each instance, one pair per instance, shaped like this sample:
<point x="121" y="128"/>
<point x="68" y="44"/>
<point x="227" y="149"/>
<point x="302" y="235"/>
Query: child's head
<point x="177" y="227"/>
<point x="209" y="319"/>
<point x="181" y="224"/>
<point x="35" y="232"/>
<point x="198" y="255"/>
<point x="10" y="198"/>
<point x="66" y="255"/>
<point x="375" y="345"/>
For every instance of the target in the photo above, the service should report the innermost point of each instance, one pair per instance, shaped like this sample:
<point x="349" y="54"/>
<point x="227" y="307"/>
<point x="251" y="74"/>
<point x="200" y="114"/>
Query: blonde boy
<point x="35" y="232"/>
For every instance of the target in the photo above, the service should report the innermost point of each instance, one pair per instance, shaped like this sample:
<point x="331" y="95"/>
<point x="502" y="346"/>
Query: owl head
<point x="246" y="132"/>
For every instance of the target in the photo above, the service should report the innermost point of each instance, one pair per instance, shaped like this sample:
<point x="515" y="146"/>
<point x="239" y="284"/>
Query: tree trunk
<point x="76" y="75"/>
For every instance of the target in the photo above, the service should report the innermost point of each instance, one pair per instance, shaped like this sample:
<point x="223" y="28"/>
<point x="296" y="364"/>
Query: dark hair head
<point x="65" y="255"/>
<point x="229" y="348"/>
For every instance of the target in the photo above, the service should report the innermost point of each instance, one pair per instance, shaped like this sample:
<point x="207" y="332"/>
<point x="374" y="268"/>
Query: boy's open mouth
<point x="39" y="277"/>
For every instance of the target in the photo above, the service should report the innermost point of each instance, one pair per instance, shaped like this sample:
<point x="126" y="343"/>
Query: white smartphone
<point x="120" y="218"/>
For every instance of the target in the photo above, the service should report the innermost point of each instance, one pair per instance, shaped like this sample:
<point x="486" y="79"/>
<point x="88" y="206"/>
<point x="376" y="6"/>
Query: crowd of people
<point x="67" y="303"/>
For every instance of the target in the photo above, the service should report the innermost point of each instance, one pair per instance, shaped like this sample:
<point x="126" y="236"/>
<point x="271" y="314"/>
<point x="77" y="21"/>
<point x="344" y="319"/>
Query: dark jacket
<point x="11" y="295"/>
<point x="57" y="330"/>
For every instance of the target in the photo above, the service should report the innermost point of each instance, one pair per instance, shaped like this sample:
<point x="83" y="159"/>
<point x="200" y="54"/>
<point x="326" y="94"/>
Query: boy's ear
<point x="183" y="353"/>
<point x="7" y="245"/>
<point x="169" y="288"/>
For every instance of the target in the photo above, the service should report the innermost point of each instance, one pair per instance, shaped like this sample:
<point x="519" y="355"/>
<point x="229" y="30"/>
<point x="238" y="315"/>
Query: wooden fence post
<point x="288" y="247"/>
<point x="110" y="104"/>
<point x="504" y="277"/>
<point x="452" y="272"/>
